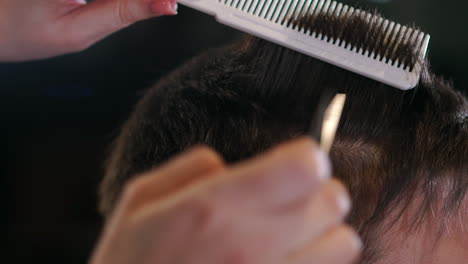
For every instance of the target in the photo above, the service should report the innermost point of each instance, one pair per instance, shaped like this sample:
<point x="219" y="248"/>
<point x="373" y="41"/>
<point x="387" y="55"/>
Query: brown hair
<point x="391" y="145"/>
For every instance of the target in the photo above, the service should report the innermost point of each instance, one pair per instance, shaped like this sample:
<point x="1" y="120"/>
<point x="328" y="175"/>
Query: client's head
<point x="402" y="154"/>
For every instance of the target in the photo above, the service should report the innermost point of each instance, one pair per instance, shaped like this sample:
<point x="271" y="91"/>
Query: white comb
<point x="270" y="20"/>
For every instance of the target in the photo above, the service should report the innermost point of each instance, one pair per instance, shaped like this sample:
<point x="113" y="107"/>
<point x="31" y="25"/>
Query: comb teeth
<point x="285" y="12"/>
<point x="305" y="25"/>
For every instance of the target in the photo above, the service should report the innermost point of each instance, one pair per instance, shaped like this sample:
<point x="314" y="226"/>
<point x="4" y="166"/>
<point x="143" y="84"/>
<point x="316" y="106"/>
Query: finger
<point x="287" y="175"/>
<point x="267" y="239"/>
<point x="340" y="245"/>
<point x="96" y="20"/>
<point x="328" y="208"/>
<point x="271" y="193"/>
<point x="193" y="166"/>
<point x="278" y="180"/>
<point x="293" y="226"/>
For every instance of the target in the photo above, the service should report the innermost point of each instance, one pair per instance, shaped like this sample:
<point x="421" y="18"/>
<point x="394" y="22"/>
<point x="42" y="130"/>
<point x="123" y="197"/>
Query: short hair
<point x="391" y="145"/>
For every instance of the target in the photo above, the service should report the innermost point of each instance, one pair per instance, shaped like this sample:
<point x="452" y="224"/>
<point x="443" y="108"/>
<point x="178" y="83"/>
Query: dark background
<point x="58" y="117"/>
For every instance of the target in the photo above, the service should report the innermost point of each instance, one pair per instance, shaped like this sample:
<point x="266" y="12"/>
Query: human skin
<point x="439" y="239"/>
<point x="281" y="207"/>
<point x="36" y="29"/>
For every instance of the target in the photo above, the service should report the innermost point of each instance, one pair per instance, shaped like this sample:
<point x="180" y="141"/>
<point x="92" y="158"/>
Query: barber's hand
<point x="34" y="29"/>
<point x="279" y="208"/>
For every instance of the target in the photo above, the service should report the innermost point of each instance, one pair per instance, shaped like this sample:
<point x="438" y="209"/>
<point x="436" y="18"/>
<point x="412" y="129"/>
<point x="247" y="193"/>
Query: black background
<point x="58" y="117"/>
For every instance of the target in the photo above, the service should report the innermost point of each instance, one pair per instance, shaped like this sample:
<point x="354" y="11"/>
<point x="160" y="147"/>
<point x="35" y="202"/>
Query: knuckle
<point x="205" y="157"/>
<point x="307" y="148"/>
<point x="76" y="43"/>
<point x="132" y="187"/>
<point x="337" y="198"/>
<point x="207" y="154"/>
<point x="312" y="160"/>
<point x="123" y="13"/>
<point x="308" y="144"/>
<point x="207" y="216"/>
<point x="349" y="238"/>
<point x="320" y="163"/>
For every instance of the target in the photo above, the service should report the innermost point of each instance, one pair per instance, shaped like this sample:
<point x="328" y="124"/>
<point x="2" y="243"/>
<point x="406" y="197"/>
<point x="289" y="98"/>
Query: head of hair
<point x="391" y="145"/>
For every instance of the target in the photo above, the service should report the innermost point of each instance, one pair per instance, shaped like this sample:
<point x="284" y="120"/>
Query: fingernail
<point x="344" y="202"/>
<point x="356" y="242"/>
<point x="164" y="7"/>
<point x="323" y="163"/>
<point x="174" y="7"/>
<point x="343" y="199"/>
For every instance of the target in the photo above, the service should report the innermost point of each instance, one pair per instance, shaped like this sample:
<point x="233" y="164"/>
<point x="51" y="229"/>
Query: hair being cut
<point x="391" y="146"/>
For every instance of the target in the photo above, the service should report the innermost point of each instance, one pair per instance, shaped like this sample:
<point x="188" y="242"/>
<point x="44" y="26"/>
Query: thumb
<point x="100" y="18"/>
